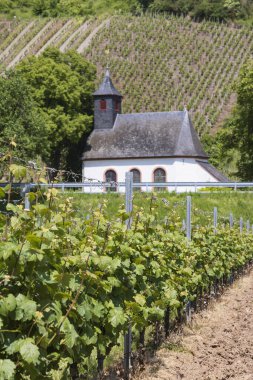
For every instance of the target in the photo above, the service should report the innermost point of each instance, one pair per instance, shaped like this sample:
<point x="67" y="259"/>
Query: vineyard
<point x="158" y="63"/>
<point x="71" y="286"/>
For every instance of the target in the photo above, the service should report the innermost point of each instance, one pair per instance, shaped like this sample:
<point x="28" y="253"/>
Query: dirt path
<point x="219" y="345"/>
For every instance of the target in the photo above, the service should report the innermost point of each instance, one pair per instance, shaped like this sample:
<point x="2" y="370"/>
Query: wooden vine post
<point x="128" y="335"/>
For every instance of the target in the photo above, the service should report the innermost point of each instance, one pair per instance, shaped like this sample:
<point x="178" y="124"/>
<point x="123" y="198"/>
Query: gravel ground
<point x="217" y="346"/>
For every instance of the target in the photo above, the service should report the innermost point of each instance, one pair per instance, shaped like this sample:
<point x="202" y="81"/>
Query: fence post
<point x="128" y="335"/>
<point x="241" y="225"/>
<point x="27" y="201"/>
<point x="188" y="217"/>
<point x="215" y="219"/>
<point x="231" y="220"/>
<point x="129" y="197"/>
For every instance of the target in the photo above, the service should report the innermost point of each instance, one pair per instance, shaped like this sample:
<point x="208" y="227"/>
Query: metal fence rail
<point x="143" y="185"/>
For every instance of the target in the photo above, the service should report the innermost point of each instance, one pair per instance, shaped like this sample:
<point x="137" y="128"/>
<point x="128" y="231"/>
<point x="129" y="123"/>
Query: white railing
<point x="96" y="186"/>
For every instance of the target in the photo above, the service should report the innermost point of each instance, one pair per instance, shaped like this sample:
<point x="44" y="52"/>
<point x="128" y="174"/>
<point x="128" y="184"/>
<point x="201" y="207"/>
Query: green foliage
<point x="21" y="118"/>
<point x="236" y="136"/>
<point x="7" y="369"/>
<point x="240" y="203"/>
<point x="61" y="86"/>
<point x="54" y="8"/>
<point x="217" y="9"/>
<point x="243" y="121"/>
<point x="70" y="286"/>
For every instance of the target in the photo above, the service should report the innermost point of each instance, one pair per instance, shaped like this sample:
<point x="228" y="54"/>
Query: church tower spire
<point x="107" y="103"/>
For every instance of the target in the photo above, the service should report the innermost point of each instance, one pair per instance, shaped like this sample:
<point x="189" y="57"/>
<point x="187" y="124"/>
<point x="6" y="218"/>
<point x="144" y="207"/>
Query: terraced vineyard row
<point x="25" y="38"/>
<point x="158" y="63"/>
<point x="166" y="63"/>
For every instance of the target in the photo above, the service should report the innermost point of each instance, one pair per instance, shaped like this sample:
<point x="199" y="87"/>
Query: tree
<point x="243" y="120"/>
<point x="217" y="9"/>
<point x="233" y="7"/>
<point x="235" y="139"/>
<point x="21" y="119"/>
<point x="62" y="86"/>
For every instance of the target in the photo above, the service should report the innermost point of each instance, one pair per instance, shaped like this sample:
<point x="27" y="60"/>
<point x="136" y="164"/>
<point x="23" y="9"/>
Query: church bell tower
<point x="107" y="104"/>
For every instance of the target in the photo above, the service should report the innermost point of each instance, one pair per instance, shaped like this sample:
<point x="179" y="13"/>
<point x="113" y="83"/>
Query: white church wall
<point x="177" y="170"/>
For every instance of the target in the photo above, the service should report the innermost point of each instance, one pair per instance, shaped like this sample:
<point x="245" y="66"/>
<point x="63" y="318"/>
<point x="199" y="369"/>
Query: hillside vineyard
<point x="159" y="63"/>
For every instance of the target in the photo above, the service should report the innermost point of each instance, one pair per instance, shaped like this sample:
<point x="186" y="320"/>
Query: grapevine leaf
<point x="140" y="299"/>
<point x="25" y="308"/>
<point x="29" y="352"/>
<point x="98" y="309"/>
<point x="31" y="196"/>
<point x="7" y="304"/>
<point x="7" y="369"/>
<point x="70" y="333"/>
<point x="117" y="317"/>
<point x="7" y="250"/>
<point x="11" y="207"/>
<point x="42" y="180"/>
<point x="42" y="210"/>
<point x="2" y="193"/>
<point x="16" y="345"/>
<point x="139" y="269"/>
<point x="18" y="171"/>
<point x="34" y="240"/>
<point x="10" y="302"/>
<point x="84" y="309"/>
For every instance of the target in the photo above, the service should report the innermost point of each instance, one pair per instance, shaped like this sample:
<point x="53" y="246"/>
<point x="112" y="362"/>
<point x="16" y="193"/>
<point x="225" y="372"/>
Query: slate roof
<point x="107" y="87"/>
<point x="146" y="135"/>
<point x="213" y="171"/>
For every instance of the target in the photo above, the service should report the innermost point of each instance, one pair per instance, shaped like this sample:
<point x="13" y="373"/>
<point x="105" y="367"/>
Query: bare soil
<point x="217" y="346"/>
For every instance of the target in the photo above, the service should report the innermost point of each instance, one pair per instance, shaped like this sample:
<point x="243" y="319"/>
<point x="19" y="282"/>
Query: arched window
<point x="102" y="105"/>
<point x="136" y="178"/>
<point x="159" y="177"/>
<point x="111" y="177"/>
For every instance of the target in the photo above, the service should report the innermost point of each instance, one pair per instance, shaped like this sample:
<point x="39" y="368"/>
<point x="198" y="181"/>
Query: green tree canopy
<point x="21" y="119"/>
<point x="62" y="86"/>
<point x="243" y="121"/>
<point x="218" y="9"/>
<point x="233" y="144"/>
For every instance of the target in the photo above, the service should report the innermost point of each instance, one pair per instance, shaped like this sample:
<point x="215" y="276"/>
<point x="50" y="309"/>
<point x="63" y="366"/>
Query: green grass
<point x="239" y="203"/>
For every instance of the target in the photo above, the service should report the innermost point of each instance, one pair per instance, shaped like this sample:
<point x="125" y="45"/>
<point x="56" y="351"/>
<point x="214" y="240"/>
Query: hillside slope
<point x="158" y="63"/>
<point x="164" y="64"/>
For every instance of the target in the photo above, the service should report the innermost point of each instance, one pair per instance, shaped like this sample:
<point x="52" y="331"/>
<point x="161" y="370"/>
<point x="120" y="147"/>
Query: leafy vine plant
<point x="69" y="285"/>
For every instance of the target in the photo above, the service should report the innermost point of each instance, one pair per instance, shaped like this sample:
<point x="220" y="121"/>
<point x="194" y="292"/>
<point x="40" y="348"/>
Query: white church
<point x="157" y="147"/>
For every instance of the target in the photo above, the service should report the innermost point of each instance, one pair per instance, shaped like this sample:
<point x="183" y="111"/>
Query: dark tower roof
<point x="107" y="87"/>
